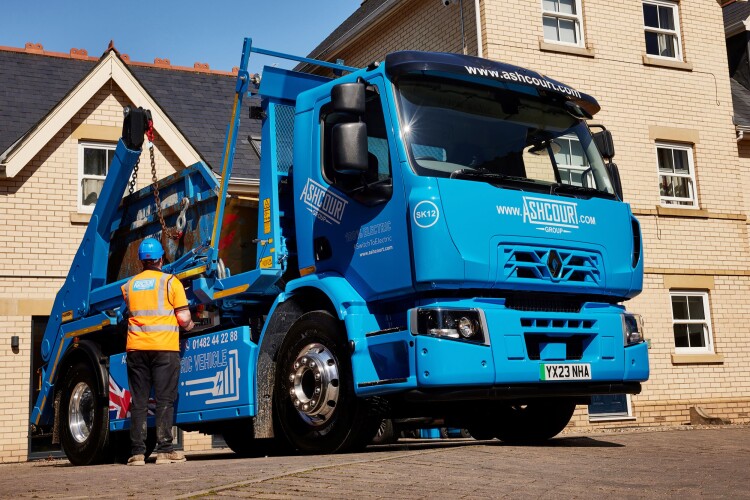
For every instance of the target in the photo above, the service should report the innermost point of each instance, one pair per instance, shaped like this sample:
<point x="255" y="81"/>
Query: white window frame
<point x="573" y="168"/>
<point x="576" y="18"/>
<point x="614" y="417"/>
<point x="708" y="332"/>
<point x="673" y="201"/>
<point x="676" y="33"/>
<point x="81" y="147"/>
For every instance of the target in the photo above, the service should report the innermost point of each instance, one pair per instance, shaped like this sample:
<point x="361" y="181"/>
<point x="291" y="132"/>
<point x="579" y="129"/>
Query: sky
<point x="185" y="31"/>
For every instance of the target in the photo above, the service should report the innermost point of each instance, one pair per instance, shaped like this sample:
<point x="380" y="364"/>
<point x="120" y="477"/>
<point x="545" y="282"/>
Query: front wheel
<point x="535" y="422"/>
<point x="315" y="406"/>
<point x="84" y="418"/>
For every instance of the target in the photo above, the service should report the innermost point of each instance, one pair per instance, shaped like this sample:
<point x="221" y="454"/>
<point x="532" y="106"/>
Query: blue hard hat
<point x="150" y="249"/>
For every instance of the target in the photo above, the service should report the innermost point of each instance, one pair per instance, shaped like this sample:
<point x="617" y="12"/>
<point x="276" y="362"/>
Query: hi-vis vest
<point x="152" y="297"/>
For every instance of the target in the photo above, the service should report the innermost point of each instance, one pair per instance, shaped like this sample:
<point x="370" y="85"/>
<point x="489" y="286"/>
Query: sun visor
<point x="480" y="70"/>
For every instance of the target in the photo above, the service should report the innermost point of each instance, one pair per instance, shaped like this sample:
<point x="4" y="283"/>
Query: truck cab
<point x="467" y="204"/>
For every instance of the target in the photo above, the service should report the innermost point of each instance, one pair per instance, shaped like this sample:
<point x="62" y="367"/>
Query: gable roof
<point x="192" y="108"/>
<point x="32" y="85"/>
<point x="735" y="12"/>
<point x="363" y="17"/>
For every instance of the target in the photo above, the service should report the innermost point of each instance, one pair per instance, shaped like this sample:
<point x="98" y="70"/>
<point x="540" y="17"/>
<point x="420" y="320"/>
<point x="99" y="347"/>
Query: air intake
<point x="636" y="241"/>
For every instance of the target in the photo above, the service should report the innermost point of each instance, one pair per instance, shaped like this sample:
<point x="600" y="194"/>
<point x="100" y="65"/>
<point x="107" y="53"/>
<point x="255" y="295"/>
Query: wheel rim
<point x="314" y="389"/>
<point x="81" y="412"/>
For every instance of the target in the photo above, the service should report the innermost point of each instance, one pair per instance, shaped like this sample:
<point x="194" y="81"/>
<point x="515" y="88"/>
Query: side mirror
<point x="349" y="148"/>
<point x="348" y="98"/>
<point x="614" y="176"/>
<point x="605" y="144"/>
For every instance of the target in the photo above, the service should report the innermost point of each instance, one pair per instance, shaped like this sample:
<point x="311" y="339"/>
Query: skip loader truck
<point x="436" y="235"/>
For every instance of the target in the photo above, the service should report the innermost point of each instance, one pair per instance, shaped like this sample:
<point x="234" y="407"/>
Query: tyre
<point x="386" y="433"/>
<point x="314" y="404"/>
<point x="84" y="418"/>
<point x="239" y="437"/>
<point x="535" y="422"/>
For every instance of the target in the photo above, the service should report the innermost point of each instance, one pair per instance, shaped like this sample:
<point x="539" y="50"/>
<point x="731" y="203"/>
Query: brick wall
<point x="640" y="104"/>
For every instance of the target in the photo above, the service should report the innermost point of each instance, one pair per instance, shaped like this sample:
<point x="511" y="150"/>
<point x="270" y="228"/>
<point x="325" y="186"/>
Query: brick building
<point x="60" y="118"/>
<point x="659" y="70"/>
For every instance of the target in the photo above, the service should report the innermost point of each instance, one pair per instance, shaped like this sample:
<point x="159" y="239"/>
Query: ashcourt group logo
<point x="323" y="203"/>
<point x="553" y="216"/>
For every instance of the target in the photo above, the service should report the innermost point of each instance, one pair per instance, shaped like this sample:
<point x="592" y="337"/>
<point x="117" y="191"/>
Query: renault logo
<point x="554" y="264"/>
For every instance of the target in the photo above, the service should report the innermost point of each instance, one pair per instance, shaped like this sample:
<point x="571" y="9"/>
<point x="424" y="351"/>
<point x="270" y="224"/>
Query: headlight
<point x="632" y="329"/>
<point x="451" y="323"/>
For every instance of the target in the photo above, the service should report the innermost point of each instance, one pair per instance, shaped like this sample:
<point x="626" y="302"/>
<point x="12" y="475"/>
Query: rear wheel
<point x="535" y="422"/>
<point x="315" y="407"/>
<point x="386" y="433"/>
<point x="84" y="418"/>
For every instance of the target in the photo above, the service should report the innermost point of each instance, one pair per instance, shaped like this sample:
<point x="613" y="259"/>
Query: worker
<point x="157" y="304"/>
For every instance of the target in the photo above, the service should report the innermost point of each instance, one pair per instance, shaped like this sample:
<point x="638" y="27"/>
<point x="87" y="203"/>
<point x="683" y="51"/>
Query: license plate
<point x="567" y="371"/>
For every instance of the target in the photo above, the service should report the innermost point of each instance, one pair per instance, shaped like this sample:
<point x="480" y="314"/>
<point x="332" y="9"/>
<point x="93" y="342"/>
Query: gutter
<point x="479" y="28"/>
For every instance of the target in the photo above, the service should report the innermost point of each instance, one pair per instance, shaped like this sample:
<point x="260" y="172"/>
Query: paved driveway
<point x="673" y="463"/>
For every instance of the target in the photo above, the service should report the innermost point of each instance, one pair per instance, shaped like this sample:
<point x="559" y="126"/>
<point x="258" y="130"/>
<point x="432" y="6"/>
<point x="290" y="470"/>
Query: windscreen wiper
<point x="500" y="179"/>
<point x="580" y="191"/>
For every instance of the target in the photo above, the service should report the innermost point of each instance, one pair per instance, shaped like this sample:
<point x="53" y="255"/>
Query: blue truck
<point x="436" y="236"/>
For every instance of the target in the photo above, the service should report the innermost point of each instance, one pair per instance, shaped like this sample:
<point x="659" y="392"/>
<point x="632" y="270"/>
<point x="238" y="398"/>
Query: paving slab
<point x="685" y="463"/>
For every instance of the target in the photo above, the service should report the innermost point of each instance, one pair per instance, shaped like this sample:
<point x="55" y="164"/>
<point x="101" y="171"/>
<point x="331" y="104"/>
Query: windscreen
<point x="460" y="130"/>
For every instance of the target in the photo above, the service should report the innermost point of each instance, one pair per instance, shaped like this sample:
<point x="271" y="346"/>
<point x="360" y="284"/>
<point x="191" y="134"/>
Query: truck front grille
<point x="543" y="303"/>
<point x="527" y="264"/>
<point x="574" y="345"/>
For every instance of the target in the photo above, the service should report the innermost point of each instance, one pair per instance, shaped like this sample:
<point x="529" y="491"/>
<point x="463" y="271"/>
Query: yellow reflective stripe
<point x="89" y="329"/>
<point x="190" y="272"/>
<point x="231" y="291"/>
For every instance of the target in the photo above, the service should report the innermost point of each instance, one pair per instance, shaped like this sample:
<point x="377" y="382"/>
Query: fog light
<point x="449" y="323"/>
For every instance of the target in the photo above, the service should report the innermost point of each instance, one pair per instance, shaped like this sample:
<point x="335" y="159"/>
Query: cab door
<point x="358" y="221"/>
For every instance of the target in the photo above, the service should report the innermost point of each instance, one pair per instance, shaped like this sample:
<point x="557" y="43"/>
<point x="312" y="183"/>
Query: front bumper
<point x="507" y="365"/>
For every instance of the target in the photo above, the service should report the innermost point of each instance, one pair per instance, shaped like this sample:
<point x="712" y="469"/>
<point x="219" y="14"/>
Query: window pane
<point x="681" y="186"/>
<point x="666" y="163"/>
<point x="681" y="161"/>
<point x="563" y="156"/>
<point x="550" y="5"/>
<point x="550" y="28"/>
<point x="576" y="178"/>
<point x="665" y="186"/>
<point x="568" y="31"/>
<point x="91" y="189"/>
<point x="94" y="161"/>
<point x="666" y="45"/>
<point x="578" y="158"/>
<point x="679" y="307"/>
<point x="695" y="308"/>
<point x="666" y="18"/>
<point x="110" y="156"/>
<point x="652" y="43"/>
<point x="568" y="6"/>
<point x="681" y="336"/>
<point x="650" y="16"/>
<point x="696" y="334"/>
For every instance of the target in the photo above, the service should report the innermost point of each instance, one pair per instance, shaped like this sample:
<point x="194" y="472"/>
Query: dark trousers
<point x="160" y="370"/>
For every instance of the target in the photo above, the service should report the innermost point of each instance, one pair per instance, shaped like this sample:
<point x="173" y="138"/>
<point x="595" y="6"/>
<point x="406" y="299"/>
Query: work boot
<point x="172" y="457"/>
<point x="137" y="460"/>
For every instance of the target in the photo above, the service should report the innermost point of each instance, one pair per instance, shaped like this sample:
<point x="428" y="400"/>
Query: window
<point x="572" y="162"/>
<point x="606" y="407"/>
<point x="562" y="21"/>
<point x="93" y="161"/>
<point x="691" y="322"/>
<point x="676" y="175"/>
<point x="660" y="22"/>
<point x="377" y="146"/>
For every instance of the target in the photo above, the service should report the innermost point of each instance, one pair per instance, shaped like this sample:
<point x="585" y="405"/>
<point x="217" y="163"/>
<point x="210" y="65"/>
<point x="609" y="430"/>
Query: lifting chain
<point x="174" y="233"/>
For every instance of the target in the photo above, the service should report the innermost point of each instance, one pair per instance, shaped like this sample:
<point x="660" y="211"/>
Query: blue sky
<point x="185" y="32"/>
